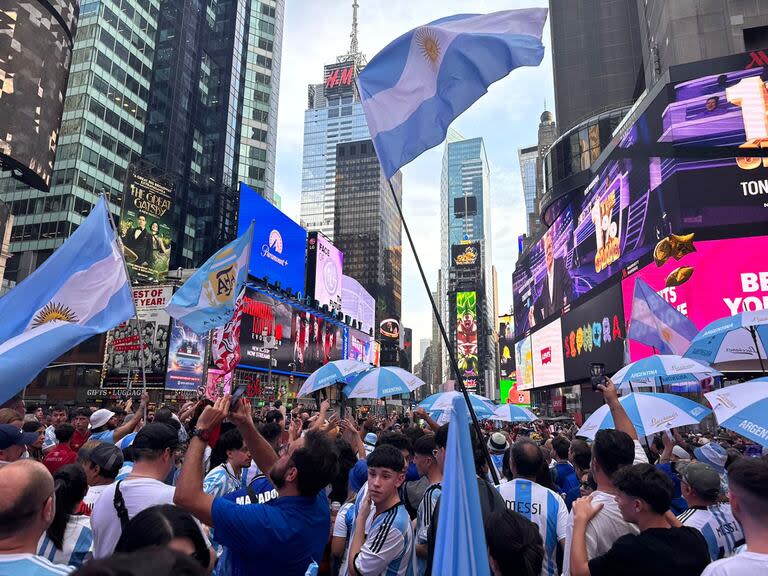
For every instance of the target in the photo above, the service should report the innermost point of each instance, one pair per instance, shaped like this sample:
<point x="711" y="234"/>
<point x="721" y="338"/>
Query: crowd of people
<point x="221" y="488"/>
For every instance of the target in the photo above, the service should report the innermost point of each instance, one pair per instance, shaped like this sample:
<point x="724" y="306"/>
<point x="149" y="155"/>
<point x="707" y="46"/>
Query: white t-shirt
<point x="745" y="564"/>
<point x="139" y="494"/>
<point x="93" y="495"/>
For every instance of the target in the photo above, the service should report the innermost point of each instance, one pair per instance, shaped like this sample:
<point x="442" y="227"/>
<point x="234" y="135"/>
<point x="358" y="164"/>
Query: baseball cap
<point x="101" y="417"/>
<point x="156" y="436"/>
<point x="703" y="479"/>
<point x="498" y="442"/>
<point x="10" y="435"/>
<point x="681" y="453"/>
<point x="713" y="454"/>
<point x="107" y="456"/>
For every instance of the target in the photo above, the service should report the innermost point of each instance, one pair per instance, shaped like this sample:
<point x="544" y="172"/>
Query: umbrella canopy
<point x="650" y="413"/>
<point x="736" y="342"/>
<point x="662" y="366"/>
<point x="330" y="374"/>
<point x="439" y="405"/>
<point x="743" y="408"/>
<point x="513" y="413"/>
<point x="381" y="382"/>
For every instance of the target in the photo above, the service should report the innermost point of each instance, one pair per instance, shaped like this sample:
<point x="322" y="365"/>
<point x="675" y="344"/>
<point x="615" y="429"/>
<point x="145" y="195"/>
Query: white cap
<point x="101" y="417"/>
<point x="681" y="453"/>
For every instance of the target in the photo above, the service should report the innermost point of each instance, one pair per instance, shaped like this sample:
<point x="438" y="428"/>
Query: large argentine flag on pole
<point x="655" y="322"/>
<point x="414" y="88"/>
<point x="80" y="291"/>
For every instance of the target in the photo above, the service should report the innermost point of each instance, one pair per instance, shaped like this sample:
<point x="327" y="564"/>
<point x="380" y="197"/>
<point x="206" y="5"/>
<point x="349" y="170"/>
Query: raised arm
<point x="620" y="419"/>
<point x="123" y="431"/>
<point x="261" y="450"/>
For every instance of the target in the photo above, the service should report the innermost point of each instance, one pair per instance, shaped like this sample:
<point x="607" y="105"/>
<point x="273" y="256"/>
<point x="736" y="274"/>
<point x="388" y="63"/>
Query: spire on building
<point x="354" y="48"/>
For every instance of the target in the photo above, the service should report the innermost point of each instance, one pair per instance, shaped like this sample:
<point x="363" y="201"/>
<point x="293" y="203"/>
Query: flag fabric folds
<point x="416" y="86"/>
<point x="80" y="291"/>
<point x="225" y="341"/>
<point x="460" y="547"/>
<point x="207" y="299"/>
<point x="655" y="322"/>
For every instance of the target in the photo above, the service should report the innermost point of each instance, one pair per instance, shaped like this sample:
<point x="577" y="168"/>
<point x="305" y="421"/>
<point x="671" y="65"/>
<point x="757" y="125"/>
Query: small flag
<point x="80" y="291"/>
<point x="655" y="322"/>
<point x="207" y="299"/>
<point x="415" y="87"/>
<point x="225" y="341"/>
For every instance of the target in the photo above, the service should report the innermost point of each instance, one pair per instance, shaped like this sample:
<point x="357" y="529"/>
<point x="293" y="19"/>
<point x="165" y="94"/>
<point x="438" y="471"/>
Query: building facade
<point x="528" y="160"/>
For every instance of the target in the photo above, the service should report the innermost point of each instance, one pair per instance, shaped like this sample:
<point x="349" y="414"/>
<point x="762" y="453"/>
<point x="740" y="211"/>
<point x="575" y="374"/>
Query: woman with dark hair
<point x="149" y="562"/>
<point x="35" y="450"/>
<point x="514" y="544"/>
<point x="68" y="540"/>
<point x="169" y="526"/>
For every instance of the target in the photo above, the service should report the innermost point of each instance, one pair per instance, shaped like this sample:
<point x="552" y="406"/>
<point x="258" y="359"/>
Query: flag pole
<point x="753" y="331"/>
<point x="444" y="334"/>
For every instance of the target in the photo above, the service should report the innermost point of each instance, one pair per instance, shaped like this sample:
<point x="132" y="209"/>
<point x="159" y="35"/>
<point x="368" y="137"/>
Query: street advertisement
<point x="357" y="303"/>
<point x="361" y="347"/>
<point x="719" y="278"/>
<point x="279" y="248"/>
<point x="524" y="363"/>
<point x="315" y="341"/>
<point x="265" y="331"/>
<point x="145" y="227"/>
<point x="218" y="384"/>
<point x="594" y="332"/>
<point x="148" y="336"/>
<point x="186" y="358"/>
<point x="506" y="346"/>
<point x="547" y="354"/>
<point x="510" y="394"/>
<point x="466" y="256"/>
<point x="325" y="263"/>
<point x="466" y="338"/>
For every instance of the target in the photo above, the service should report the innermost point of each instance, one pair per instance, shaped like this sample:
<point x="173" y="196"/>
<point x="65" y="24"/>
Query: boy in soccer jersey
<point x="382" y="541"/>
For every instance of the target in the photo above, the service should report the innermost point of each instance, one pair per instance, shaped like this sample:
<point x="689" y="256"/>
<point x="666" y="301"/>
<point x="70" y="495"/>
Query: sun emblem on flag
<point x="52" y="312"/>
<point x="429" y="44"/>
<point x="666" y="335"/>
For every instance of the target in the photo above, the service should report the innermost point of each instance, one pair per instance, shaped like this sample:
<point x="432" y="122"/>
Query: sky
<point x="507" y="118"/>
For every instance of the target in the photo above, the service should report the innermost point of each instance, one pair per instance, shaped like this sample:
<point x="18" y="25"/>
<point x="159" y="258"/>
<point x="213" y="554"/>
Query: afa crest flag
<point x="207" y="299"/>
<point x="415" y="87"/>
<point x="655" y="322"/>
<point x="80" y="291"/>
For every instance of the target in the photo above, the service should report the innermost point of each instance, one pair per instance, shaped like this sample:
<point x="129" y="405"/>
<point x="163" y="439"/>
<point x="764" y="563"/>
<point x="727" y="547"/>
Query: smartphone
<point x="597" y="374"/>
<point x="236" y="395"/>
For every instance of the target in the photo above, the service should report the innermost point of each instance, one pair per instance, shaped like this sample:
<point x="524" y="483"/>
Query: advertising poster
<point x="218" y="384"/>
<point x="547" y="354"/>
<point x="361" y="347"/>
<point x="466" y="256"/>
<point x="510" y="394"/>
<point x="524" y="363"/>
<point x="594" y="332"/>
<point x="147" y="336"/>
<point x="145" y="227"/>
<point x="265" y="331"/>
<point x="466" y="337"/>
<point x="315" y="341"/>
<point x="721" y="278"/>
<point x="186" y="358"/>
<point x="506" y="346"/>
<point x="357" y="303"/>
<point x="324" y="271"/>
<point x="279" y="247"/>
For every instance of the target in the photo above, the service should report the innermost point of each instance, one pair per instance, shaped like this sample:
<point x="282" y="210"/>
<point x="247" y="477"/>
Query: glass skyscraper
<point x="528" y="158"/>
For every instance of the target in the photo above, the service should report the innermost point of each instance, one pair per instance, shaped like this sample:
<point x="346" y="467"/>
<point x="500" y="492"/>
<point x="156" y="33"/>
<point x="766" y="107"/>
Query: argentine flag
<point x="80" y="291"/>
<point x="655" y="322"/>
<point x="414" y="88"/>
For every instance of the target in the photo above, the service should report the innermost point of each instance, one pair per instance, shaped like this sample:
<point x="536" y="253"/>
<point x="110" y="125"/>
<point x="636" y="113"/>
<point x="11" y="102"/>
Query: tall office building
<point x="528" y="158"/>
<point x="367" y="226"/>
<point x="334" y="115"/>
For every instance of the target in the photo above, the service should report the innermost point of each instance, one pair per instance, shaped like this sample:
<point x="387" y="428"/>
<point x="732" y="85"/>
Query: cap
<point x="681" y="453"/>
<point x="107" y="456"/>
<point x="370" y="439"/>
<point x="712" y="454"/>
<point x="704" y="480"/>
<point x="156" y="436"/>
<point x="358" y="475"/>
<point x="11" y="435"/>
<point x="498" y="442"/>
<point x="101" y="417"/>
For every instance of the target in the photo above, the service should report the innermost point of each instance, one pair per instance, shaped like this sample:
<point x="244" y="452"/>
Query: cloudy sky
<point x="507" y="118"/>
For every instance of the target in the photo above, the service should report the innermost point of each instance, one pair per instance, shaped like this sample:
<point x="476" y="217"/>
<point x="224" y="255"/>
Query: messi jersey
<point x="388" y="546"/>
<point x="720" y="529"/>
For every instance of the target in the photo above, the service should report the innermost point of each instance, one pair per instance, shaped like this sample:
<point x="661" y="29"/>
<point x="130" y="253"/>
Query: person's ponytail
<point x="71" y="486"/>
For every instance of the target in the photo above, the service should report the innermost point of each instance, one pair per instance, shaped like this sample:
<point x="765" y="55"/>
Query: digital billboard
<point x="720" y="278"/>
<point x="279" y="244"/>
<point x="186" y="358"/>
<point x="466" y="337"/>
<point x="506" y="346"/>
<point x="145" y="226"/>
<point x="466" y="256"/>
<point x="325" y="263"/>
<point x="339" y="79"/>
<point x="510" y="394"/>
<point x="357" y="303"/>
<point x="389" y="330"/>
<point x="594" y="332"/>
<point x="524" y="363"/>
<point x="361" y="347"/>
<point x="316" y="341"/>
<point x="547" y="355"/>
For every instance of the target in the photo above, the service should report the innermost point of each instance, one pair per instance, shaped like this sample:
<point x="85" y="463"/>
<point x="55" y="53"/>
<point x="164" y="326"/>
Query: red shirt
<point x="59" y="456"/>
<point x="78" y="439"/>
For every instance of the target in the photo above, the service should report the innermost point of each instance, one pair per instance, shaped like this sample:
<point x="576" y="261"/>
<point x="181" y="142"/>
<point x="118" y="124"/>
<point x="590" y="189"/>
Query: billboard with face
<point x="506" y="346"/>
<point x="466" y="337"/>
<point x="524" y="363"/>
<point x="324" y="271"/>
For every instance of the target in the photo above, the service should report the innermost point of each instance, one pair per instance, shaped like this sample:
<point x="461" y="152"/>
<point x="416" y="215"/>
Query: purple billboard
<point x="324" y="271"/>
<point x="357" y="303"/>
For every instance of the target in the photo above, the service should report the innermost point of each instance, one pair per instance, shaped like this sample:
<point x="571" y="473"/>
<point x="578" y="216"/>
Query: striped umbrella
<point x="661" y="366"/>
<point x="743" y="408"/>
<point x="513" y="413"/>
<point x="439" y="405"/>
<point x="736" y="342"/>
<point x="381" y="382"/>
<point x="330" y="374"/>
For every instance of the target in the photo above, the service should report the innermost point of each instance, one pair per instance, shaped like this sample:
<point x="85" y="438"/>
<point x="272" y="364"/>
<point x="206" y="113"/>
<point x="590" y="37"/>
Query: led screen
<point x="325" y="263"/>
<point x="547" y="355"/>
<point x="466" y="337"/>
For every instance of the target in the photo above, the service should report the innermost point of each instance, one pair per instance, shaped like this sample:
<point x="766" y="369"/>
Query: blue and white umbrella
<point x="650" y="413"/>
<point x="662" y="366"/>
<point x="736" y="342"/>
<point x="381" y="382"/>
<point x="330" y="374"/>
<point x="439" y="405"/>
<point x="513" y="413"/>
<point x="743" y="408"/>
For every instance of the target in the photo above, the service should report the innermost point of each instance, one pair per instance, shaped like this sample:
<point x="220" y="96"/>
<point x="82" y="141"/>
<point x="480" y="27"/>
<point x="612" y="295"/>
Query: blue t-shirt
<point x="259" y="491"/>
<point x="566" y="478"/>
<point x="282" y="536"/>
<point x="103" y="436"/>
<point x="31" y="565"/>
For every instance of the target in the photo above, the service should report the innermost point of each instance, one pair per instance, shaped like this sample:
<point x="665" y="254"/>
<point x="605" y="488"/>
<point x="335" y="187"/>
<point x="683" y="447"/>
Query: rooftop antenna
<point x="353" y="36"/>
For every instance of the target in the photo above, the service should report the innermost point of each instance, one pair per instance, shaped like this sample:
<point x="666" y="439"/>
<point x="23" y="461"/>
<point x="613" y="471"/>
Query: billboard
<point x="389" y="330"/>
<point x="324" y="271"/>
<point x="279" y="244"/>
<point x="339" y="79"/>
<point x="594" y="332"/>
<point x="506" y="346"/>
<point x="37" y="52"/>
<point x="357" y="303"/>
<point x="361" y="347"/>
<point x="145" y="227"/>
<point x="721" y="278"/>
<point x="466" y="337"/>
<point x="547" y="355"/>
<point x="466" y="256"/>
<point x="524" y="363"/>
<point x="510" y="394"/>
<point x="186" y="358"/>
<point x="148" y="336"/>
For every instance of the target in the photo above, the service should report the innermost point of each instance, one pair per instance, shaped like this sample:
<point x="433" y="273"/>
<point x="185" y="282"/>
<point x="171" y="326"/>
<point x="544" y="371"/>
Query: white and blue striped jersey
<point x="222" y="481"/>
<point x="351" y="517"/>
<point x="31" y="565"/>
<point x="77" y="543"/>
<point x="423" y="520"/>
<point x="720" y="529"/>
<point x="544" y="508"/>
<point x="50" y="438"/>
<point x="388" y="546"/>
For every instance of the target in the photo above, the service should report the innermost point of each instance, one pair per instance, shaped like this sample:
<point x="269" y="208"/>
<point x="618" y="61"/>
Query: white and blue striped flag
<point x="416" y="86"/>
<point x="207" y="299"/>
<point x="81" y="290"/>
<point x="655" y="322"/>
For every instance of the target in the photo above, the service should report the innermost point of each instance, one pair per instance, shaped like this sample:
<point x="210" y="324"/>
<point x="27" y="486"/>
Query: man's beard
<point x="277" y="476"/>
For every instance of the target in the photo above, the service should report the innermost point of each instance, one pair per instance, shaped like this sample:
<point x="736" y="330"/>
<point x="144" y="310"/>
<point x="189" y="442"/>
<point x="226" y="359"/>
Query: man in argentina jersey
<point x="538" y="504"/>
<point x="382" y="540"/>
<point x="700" y="484"/>
<point x="429" y="462"/>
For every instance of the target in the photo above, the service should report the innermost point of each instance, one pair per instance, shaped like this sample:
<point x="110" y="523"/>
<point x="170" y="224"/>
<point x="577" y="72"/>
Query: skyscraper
<point x="528" y="158"/>
<point x="334" y="115"/>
